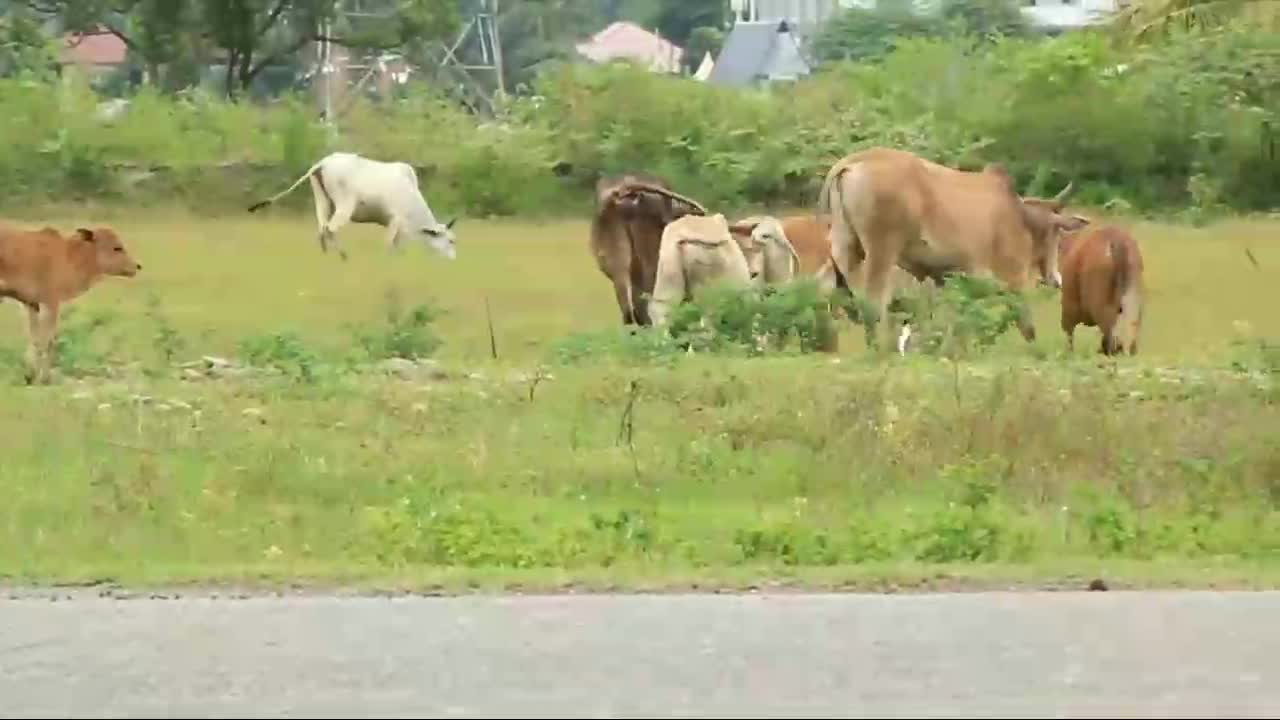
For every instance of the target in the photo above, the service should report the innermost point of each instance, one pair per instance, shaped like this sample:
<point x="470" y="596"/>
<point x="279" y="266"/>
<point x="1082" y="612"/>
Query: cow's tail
<point x="828" y="183"/>
<point x="1124" y="286"/>
<point x="259" y="205"/>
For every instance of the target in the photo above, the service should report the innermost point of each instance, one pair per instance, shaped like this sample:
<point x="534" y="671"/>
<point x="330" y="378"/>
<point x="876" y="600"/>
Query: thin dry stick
<point x="533" y="384"/>
<point x="493" y="341"/>
<point x="1249" y="253"/>
<point x="626" y="424"/>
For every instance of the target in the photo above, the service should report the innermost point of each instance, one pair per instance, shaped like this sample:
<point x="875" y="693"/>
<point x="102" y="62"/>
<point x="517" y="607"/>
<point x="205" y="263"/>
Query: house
<point x="1056" y="16"/>
<point x="625" y="40"/>
<point x="758" y="52"/>
<point x="96" y="53"/>
<point x="807" y="16"/>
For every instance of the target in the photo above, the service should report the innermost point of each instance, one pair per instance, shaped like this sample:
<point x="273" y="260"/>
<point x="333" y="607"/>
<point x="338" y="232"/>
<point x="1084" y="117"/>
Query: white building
<point x="807" y="16"/>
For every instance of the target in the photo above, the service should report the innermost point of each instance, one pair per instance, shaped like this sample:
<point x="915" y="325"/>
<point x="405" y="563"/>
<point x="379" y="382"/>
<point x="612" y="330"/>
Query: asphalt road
<point x="991" y="654"/>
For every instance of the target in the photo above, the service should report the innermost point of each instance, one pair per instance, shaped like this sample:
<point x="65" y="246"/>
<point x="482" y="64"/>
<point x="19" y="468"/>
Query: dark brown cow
<point x="1103" y="286"/>
<point x="626" y="232"/>
<point x="44" y="270"/>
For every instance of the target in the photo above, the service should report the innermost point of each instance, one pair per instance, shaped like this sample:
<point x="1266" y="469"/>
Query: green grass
<point x="1020" y="466"/>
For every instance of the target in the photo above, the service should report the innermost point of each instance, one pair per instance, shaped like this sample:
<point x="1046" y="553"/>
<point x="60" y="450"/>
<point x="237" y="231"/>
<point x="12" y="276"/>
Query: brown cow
<point x="1103" y="287"/>
<point x="891" y="207"/>
<point x="43" y="270"/>
<point x="626" y="233"/>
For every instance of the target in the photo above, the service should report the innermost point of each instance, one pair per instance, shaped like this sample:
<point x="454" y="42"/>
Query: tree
<point x="870" y="33"/>
<point x="865" y="34"/>
<point x="150" y="29"/>
<point x="702" y="40"/>
<point x="24" y="47"/>
<point x="250" y="34"/>
<point x="1144" y="19"/>
<point x="255" y="34"/>
<point x="677" y="19"/>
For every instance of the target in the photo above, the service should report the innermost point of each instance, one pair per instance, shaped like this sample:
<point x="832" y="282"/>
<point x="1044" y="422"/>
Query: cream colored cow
<point x="696" y="250"/>
<point x="771" y="257"/>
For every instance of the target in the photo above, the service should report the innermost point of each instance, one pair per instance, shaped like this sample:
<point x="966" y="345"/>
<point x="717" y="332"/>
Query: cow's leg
<point x="639" y="293"/>
<point x="342" y="213"/>
<point x="47" y="328"/>
<point x="33" y="343"/>
<point x="393" y="235"/>
<point x="878" y="266"/>
<point x="324" y="211"/>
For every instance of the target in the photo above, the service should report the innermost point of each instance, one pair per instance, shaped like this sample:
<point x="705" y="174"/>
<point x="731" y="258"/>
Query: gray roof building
<point x="759" y="52"/>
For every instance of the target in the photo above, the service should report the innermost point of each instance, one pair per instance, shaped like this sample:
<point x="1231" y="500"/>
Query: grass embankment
<point x="1021" y="465"/>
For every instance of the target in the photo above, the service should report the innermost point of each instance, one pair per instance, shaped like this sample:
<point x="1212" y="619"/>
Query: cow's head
<point x="771" y="257"/>
<point x="440" y="237"/>
<point x="1047" y="224"/>
<point x="636" y="200"/>
<point x="112" y="258"/>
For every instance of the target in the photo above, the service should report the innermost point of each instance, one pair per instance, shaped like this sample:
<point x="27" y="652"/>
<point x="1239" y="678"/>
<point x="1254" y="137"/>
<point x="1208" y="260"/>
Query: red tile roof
<point x="96" y="48"/>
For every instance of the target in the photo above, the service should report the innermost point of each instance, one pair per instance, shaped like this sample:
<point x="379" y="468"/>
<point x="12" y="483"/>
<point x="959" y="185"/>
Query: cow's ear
<point x="742" y="228"/>
<point x="1073" y="223"/>
<point x="85" y="234"/>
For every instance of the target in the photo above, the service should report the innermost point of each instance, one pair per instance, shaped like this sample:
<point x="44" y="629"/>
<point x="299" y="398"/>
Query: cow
<point x="44" y="270"/>
<point x="891" y="207"/>
<point x="1103" y="287"/>
<point x="631" y="212"/>
<point x="771" y="257"/>
<point x="349" y="188"/>
<point x="696" y="251"/>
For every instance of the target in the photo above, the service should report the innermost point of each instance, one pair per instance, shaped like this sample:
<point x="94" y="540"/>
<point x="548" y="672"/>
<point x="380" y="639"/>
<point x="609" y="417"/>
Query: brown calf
<point x="1102" y="286"/>
<point x="42" y="270"/>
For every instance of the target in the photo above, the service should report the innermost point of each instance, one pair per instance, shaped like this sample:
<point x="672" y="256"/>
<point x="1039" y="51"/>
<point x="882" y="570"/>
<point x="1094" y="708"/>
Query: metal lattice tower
<point x="469" y="66"/>
<point x="473" y="55"/>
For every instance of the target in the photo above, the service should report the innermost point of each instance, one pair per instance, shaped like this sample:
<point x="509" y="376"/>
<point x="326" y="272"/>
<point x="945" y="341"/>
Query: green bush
<point x="1189" y="121"/>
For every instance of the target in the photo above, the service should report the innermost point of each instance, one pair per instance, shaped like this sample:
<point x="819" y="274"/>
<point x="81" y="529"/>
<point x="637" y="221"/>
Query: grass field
<point x="1022" y="465"/>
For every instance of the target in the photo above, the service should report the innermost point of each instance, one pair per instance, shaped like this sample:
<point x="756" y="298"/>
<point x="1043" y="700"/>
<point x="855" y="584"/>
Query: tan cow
<point x="44" y="270"/>
<point x="696" y="251"/>
<point x="626" y="231"/>
<point x="1103" y="287"/>
<point x="770" y="255"/>
<point x="891" y="207"/>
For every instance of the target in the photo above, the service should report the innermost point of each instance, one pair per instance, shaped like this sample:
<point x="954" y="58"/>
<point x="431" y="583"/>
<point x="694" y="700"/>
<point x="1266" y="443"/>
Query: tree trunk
<point x="232" y="60"/>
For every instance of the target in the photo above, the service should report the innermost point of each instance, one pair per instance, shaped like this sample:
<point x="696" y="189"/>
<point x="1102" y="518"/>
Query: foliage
<point x="250" y="35"/>
<point x="1201" y="113"/>
<point x="409" y="335"/>
<point x="870" y="33"/>
<point x="25" y="51"/>
<point x="285" y="351"/>
<point x="966" y="316"/>
<point x="1145" y="20"/>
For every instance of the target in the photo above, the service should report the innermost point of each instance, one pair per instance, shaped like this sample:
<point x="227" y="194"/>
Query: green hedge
<point x="1192" y="123"/>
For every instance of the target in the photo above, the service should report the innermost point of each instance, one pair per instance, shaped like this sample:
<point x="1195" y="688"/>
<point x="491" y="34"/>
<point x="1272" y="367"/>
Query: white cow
<point x="769" y="252"/>
<point x="696" y="250"/>
<point x="349" y="188"/>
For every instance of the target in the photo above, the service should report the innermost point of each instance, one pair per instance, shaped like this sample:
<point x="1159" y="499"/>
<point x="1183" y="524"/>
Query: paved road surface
<point x="993" y="654"/>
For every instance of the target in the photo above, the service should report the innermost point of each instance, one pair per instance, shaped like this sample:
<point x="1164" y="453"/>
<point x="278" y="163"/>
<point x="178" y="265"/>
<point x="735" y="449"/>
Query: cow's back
<point x="24" y="259"/>
<point x="809" y="236"/>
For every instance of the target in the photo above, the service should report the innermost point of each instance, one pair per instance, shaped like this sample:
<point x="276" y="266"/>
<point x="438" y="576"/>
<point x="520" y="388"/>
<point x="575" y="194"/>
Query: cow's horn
<point x="449" y="225"/>
<point x="663" y="191"/>
<point x="1062" y="196"/>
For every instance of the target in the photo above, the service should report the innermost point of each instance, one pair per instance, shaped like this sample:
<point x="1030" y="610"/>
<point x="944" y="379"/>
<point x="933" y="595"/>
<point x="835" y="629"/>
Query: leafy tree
<point x="24" y="47"/>
<point x="870" y="33"/>
<point x="1144" y="19"/>
<point x="702" y="40"/>
<point x="678" y="19"/>
<point x="251" y="35"/>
